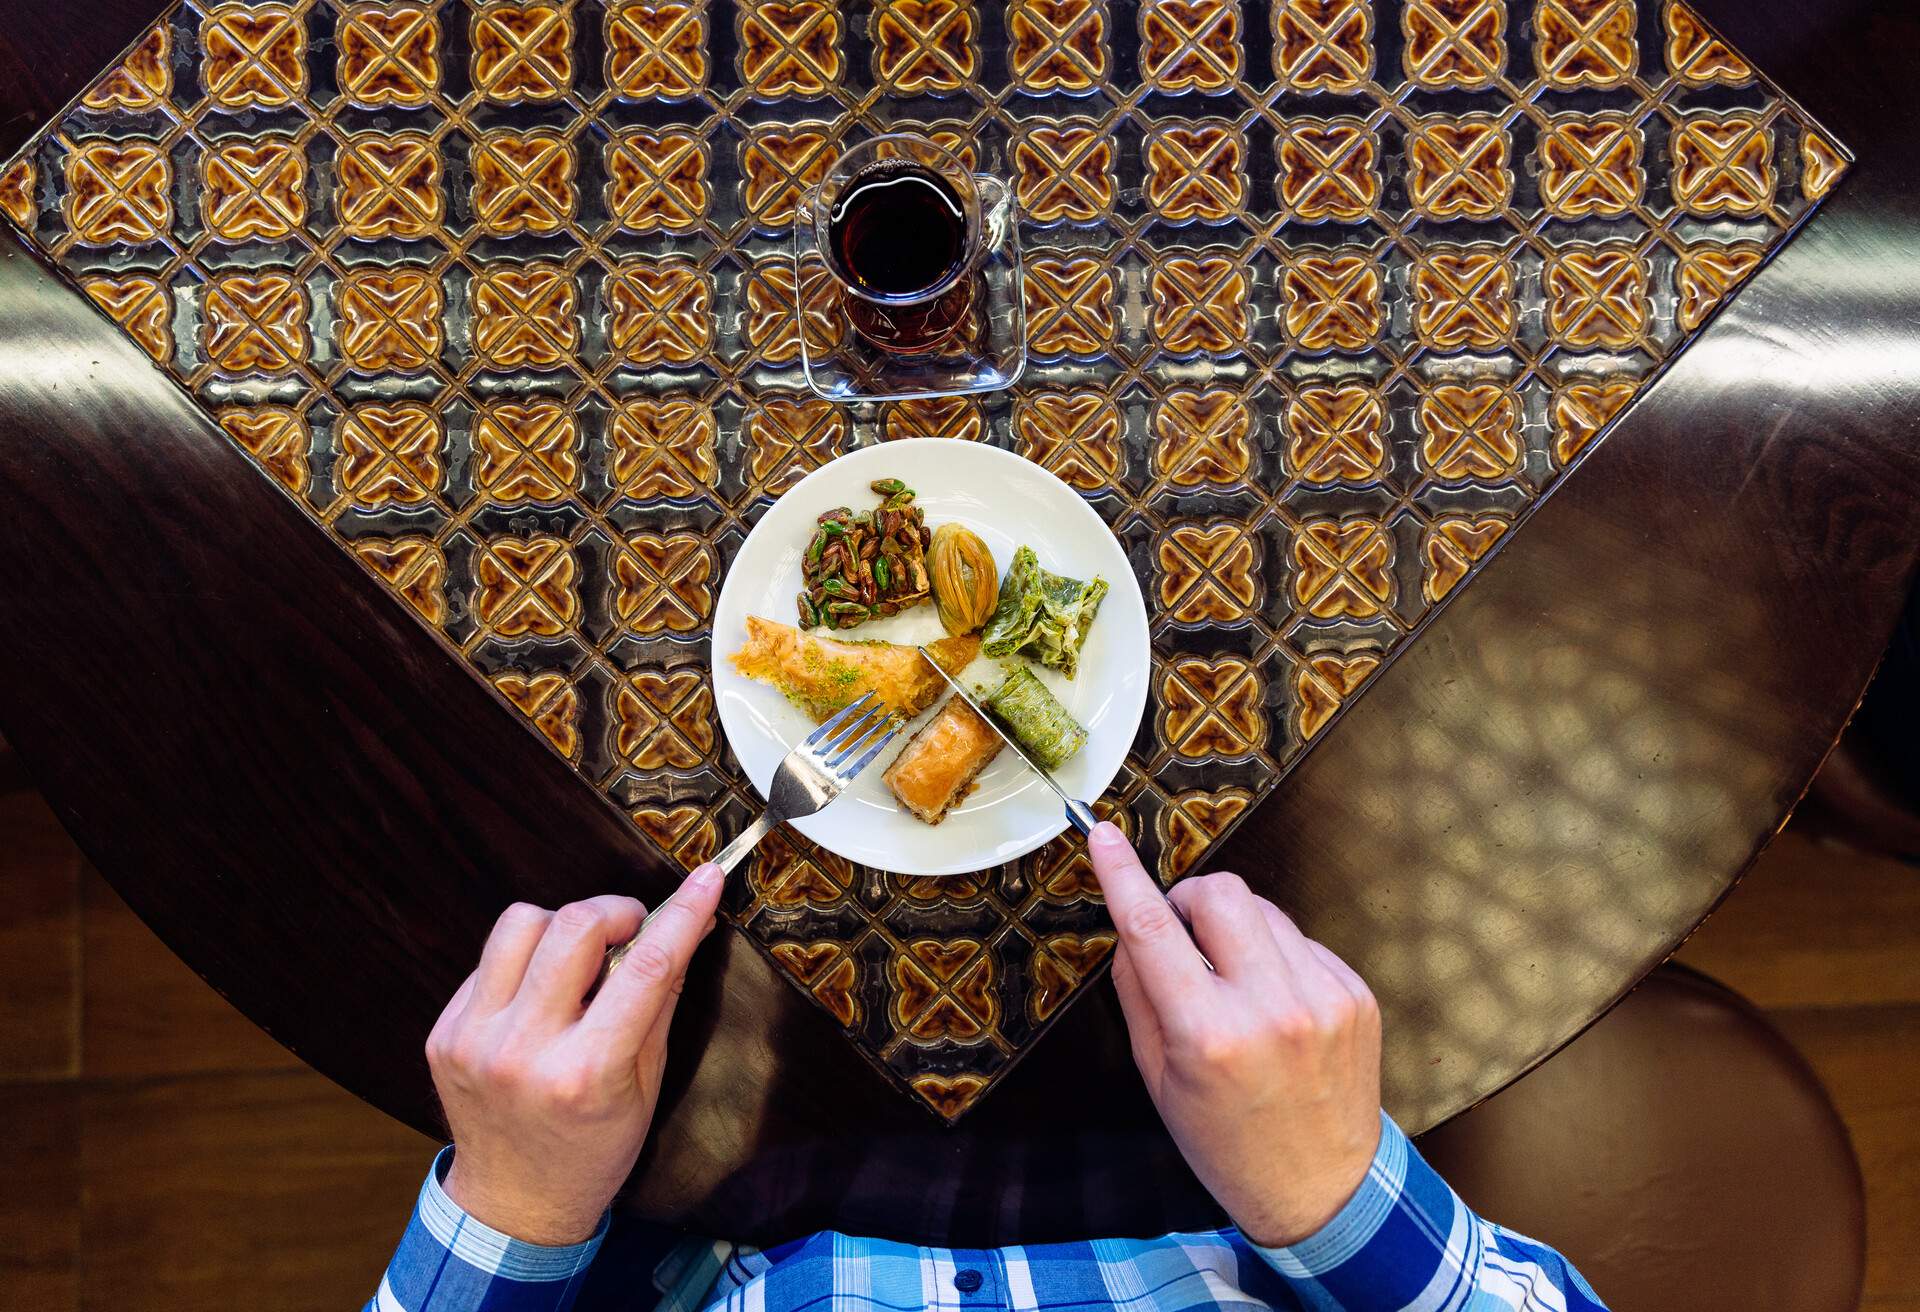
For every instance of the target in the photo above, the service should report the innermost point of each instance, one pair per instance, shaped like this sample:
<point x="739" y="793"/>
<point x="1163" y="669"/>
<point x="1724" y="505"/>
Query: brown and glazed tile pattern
<point x="1321" y="297"/>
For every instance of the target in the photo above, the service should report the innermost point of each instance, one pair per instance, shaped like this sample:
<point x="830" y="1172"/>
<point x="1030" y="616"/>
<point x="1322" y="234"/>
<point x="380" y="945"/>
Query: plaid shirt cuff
<point x="1406" y="1240"/>
<point x="450" y="1262"/>
<point x="1358" y="1224"/>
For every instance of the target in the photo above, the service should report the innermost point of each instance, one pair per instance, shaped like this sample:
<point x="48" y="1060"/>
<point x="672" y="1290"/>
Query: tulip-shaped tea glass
<point x="907" y="269"/>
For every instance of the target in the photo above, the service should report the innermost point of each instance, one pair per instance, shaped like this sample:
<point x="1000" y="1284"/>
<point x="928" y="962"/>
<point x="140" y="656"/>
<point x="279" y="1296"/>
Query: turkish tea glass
<point x="926" y="299"/>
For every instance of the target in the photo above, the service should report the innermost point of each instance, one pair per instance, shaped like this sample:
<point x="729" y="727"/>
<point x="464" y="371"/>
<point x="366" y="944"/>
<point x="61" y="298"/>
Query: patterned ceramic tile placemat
<point x="1321" y="296"/>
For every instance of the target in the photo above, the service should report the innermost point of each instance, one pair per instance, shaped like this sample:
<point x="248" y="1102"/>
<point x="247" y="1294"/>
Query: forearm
<point x="1406" y="1239"/>
<point x="449" y="1262"/>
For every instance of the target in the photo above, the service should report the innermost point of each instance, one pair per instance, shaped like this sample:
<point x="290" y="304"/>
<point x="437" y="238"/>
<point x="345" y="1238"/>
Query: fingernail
<point x="705" y="876"/>
<point x="1107" y="834"/>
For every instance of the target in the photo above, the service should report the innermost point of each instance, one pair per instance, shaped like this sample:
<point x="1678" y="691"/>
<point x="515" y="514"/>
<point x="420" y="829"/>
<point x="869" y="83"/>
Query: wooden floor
<point x="158" y="1152"/>
<point x="1828" y="941"/>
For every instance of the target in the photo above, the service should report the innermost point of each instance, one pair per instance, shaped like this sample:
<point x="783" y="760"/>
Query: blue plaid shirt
<point x="1404" y="1243"/>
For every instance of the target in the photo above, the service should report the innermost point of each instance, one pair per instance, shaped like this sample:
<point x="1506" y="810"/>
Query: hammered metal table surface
<point x="1321" y="297"/>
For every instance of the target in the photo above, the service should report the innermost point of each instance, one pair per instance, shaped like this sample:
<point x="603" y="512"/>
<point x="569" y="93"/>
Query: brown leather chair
<point x="1681" y="1153"/>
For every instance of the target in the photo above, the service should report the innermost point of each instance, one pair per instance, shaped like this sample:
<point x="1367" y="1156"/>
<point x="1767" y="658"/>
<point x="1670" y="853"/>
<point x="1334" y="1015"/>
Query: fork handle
<point x="730" y="856"/>
<point x="744" y="842"/>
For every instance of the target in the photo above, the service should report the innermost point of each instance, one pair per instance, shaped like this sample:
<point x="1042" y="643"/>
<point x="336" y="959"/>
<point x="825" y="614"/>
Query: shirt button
<point x="966" y="1281"/>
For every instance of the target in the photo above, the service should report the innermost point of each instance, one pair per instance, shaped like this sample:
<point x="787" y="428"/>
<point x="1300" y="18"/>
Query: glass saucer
<point x="841" y="365"/>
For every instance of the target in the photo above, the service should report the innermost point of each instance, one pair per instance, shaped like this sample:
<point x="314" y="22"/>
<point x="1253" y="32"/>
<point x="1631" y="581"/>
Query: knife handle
<point x="1082" y="816"/>
<point x="1084" y="820"/>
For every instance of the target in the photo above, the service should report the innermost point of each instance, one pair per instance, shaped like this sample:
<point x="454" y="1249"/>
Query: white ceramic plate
<point x="1008" y="501"/>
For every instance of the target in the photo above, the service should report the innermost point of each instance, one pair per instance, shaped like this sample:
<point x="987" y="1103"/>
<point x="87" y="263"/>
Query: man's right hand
<point x="1267" y="1073"/>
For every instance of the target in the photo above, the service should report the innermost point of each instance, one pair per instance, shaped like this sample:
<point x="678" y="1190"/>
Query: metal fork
<point x="809" y="777"/>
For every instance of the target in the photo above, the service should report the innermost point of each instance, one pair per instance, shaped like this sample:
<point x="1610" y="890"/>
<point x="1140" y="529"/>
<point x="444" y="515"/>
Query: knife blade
<point x="1078" y="812"/>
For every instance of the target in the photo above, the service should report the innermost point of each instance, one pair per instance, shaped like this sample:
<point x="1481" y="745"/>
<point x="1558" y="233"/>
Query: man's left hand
<point x="549" y="1096"/>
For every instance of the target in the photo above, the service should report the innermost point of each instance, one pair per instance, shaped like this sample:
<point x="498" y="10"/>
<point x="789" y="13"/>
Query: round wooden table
<point x="318" y="809"/>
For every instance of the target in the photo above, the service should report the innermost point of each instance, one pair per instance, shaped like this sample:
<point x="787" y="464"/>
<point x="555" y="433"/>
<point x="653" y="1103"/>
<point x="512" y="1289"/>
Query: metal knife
<point x="1078" y="811"/>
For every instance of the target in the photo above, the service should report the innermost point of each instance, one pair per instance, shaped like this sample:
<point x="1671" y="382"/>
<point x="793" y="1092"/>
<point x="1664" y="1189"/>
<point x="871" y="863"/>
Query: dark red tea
<point x="949" y="322"/>
<point x="898" y="230"/>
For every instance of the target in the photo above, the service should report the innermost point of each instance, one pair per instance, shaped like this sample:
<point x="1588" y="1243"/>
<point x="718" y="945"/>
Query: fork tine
<point x="851" y="772"/>
<point x="851" y="746"/>
<point x="828" y="729"/>
<point x="854" y="734"/>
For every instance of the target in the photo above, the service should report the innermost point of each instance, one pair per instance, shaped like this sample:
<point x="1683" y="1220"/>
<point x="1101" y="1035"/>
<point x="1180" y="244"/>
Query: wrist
<point x="519" y="1213"/>
<point x="1312" y="1204"/>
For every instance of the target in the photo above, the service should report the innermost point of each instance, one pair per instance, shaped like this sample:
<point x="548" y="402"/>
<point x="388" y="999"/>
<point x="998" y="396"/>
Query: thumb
<point x="1143" y="1026"/>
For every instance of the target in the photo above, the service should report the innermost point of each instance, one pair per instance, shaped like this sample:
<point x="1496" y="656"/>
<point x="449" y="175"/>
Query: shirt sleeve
<point x="449" y="1262"/>
<point x="1405" y="1240"/>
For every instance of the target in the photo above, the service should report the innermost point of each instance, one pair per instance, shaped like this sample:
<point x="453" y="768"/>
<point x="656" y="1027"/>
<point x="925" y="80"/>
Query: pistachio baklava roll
<point x="1036" y="719"/>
